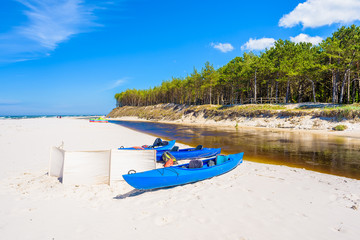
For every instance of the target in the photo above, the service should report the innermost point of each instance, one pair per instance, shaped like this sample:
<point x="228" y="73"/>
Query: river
<point x="322" y="153"/>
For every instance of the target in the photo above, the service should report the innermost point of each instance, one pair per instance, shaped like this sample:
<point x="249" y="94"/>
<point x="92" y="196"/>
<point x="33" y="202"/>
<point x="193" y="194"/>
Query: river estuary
<point x="322" y="153"/>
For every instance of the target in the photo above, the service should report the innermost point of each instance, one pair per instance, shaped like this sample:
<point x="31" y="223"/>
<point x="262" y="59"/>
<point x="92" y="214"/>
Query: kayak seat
<point x="198" y="147"/>
<point x="174" y="149"/>
<point x="220" y="159"/>
<point x="195" y="163"/>
<point x="157" y="142"/>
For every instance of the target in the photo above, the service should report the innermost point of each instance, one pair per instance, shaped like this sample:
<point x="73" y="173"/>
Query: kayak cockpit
<point x="208" y="163"/>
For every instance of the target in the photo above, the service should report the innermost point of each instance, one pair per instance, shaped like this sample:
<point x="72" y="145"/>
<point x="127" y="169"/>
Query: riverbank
<point x="307" y="117"/>
<point x="254" y="201"/>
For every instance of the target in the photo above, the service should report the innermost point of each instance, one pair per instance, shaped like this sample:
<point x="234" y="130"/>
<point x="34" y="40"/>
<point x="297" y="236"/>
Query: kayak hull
<point x="177" y="175"/>
<point x="98" y="120"/>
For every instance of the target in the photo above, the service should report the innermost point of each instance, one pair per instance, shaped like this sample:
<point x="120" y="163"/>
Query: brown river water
<point x="321" y="153"/>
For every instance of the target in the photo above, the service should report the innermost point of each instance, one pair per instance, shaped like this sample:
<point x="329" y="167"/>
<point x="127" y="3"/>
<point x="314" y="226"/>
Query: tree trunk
<point x="287" y="91"/>
<point x="355" y="87"/>
<point x="314" y="94"/>
<point x="353" y="91"/>
<point x="343" y="87"/>
<point x="313" y="89"/>
<point x="300" y="93"/>
<point x="277" y="91"/>
<point x="334" y="87"/>
<point x="255" y="87"/>
<point x="348" y="87"/>
<point x="210" y="96"/>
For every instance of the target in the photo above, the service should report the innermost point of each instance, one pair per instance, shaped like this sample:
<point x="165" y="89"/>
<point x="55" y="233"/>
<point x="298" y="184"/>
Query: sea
<point x="45" y="116"/>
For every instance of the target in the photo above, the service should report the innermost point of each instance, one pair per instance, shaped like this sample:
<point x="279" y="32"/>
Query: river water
<point x="322" y="153"/>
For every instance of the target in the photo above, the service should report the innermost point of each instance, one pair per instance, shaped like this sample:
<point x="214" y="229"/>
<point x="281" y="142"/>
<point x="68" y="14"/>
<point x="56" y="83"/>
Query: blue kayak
<point x="169" y="145"/>
<point x="182" y="174"/>
<point x="190" y="153"/>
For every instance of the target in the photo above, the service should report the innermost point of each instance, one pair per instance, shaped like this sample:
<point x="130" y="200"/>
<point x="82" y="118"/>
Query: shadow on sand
<point x="137" y="192"/>
<point x="132" y="193"/>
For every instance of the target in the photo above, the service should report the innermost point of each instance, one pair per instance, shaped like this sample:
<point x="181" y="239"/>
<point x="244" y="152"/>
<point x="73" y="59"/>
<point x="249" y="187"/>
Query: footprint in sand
<point x="142" y="216"/>
<point x="163" y="220"/>
<point x="201" y="220"/>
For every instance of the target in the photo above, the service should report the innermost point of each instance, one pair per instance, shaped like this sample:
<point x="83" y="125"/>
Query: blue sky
<point x="72" y="56"/>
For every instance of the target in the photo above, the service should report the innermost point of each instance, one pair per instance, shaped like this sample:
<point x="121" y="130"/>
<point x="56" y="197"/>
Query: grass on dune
<point x="218" y="112"/>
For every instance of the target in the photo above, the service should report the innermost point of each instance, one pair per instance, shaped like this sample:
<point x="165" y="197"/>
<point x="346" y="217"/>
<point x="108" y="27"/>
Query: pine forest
<point x="288" y="72"/>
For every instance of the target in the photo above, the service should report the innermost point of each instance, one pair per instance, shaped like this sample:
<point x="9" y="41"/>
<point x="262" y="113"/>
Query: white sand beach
<point x="254" y="201"/>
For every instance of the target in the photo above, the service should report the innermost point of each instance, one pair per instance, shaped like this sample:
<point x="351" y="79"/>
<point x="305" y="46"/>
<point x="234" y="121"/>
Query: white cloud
<point x="316" y="13"/>
<point x="258" y="44"/>
<point x="5" y="102"/>
<point x="50" y="22"/>
<point x="54" y="21"/>
<point x="223" y="47"/>
<point x="306" y="38"/>
<point x="117" y="83"/>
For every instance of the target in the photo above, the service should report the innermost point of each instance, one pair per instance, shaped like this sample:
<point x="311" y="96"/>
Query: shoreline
<point x="348" y="133"/>
<point x="316" y="118"/>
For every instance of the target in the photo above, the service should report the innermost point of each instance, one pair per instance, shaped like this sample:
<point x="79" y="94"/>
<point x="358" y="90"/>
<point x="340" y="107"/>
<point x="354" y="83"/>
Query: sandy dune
<point x="254" y="201"/>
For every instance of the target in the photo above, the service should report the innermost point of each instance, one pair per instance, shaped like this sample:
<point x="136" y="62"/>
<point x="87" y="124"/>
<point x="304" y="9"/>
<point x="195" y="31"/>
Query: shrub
<point x="340" y="128"/>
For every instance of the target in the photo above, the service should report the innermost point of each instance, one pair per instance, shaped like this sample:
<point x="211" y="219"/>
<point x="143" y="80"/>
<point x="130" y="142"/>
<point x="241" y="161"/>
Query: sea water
<point x="40" y="116"/>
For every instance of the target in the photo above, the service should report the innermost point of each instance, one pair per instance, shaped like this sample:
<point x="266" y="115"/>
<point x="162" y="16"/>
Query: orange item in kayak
<point x="139" y="148"/>
<point x="169" y="163"/>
